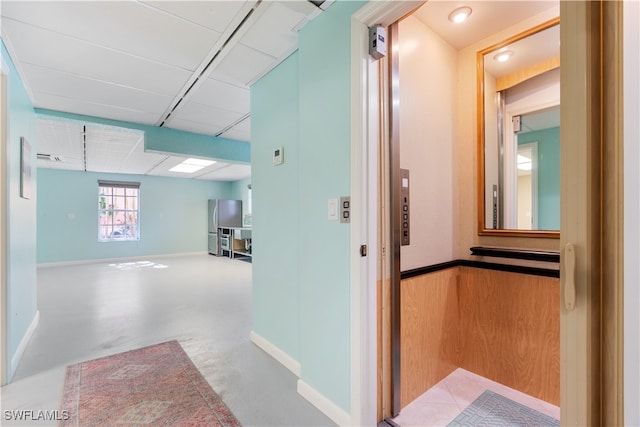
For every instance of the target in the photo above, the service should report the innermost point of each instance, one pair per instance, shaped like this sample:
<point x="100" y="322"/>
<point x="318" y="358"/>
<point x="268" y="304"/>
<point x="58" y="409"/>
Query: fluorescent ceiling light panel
<point x="191" y="165"/>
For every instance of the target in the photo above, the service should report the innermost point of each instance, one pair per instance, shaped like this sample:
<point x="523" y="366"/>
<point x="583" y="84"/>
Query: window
<point x="118" y="211"/>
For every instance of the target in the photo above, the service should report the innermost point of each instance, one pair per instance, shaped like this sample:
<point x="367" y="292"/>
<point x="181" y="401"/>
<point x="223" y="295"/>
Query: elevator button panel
<point x="404" y="202"/>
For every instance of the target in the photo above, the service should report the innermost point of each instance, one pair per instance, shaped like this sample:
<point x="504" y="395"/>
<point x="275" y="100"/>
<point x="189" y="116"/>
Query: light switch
<point x="332" y="208"/>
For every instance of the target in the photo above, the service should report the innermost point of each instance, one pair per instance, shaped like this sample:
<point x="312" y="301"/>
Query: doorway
<point x="577" y="380"/>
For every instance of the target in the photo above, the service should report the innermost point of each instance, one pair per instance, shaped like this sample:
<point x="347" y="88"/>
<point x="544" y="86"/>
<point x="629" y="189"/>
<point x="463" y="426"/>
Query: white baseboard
<point x="123" y="259"/>
<point x="330" y="409"/>
<point x="15" y="360"/>
<point x="289" y="362"/>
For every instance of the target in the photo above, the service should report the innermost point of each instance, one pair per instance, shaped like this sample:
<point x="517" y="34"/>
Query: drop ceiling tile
<point x="224" y="96"/>
<point x="205" y="114"/>
<point x="215" y="15"/>
<point x="244" y="125"/>
<point x="273" y="33"/>
<point x="112" y="136"/>
<point x="237" y="135"/>
<point x="240" y="132"/>
<point x="242" y="65"/>
<point x="70" y="105"/>
<point x="140" y="162"/>
<point x="57" y="83"/>
<point x="108" y="149"/>
<point x="36" y="46"/>
<point x="233" y="172"/>
<point x="64" y="165"/>
<point x="60" y="138"/>
<point x="195" y="127"/>
<point x="125" y="26"/>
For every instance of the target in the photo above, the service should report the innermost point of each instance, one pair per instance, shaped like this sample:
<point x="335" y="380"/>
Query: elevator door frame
<point x="585" y="377"/>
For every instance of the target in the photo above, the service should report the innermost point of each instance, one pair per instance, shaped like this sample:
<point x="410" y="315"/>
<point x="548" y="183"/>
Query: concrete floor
<point x="204" y="302"/>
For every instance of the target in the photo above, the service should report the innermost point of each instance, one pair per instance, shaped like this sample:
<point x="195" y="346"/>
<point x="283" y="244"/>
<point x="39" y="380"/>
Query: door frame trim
<point x="4" y="355"/>
<point x="591" y="335"/>
<point x="365" y="139"/>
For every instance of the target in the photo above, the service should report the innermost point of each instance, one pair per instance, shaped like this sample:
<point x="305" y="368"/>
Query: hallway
<point x="93" y="310"/>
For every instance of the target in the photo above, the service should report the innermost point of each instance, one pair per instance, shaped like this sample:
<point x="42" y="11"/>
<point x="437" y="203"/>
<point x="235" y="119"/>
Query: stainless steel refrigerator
<point x="223" y="213"/>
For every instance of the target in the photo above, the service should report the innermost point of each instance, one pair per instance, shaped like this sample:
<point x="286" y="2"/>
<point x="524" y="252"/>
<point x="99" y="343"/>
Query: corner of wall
<point x="272" y="350"/>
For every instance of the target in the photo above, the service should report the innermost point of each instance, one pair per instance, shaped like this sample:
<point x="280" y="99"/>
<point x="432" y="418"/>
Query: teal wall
<point x="173" y="216"/>
<point x="325" y="158"/>
<point x="548" y="175"/>
<point x="240" y="191"/>
<point x="276" y="276"/>
<point x="301" y="281"/>
<point x="21" y="215"/>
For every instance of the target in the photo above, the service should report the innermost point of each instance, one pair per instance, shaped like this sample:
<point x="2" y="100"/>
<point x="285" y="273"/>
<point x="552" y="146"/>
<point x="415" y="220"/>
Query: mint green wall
<point x="301" y="264"/>
<point x="548" y="175"/>
<point x="325" y="148"/>
<point x="21" y="216"/>
<point x="276" y="276"/>
<point x="240" y="191"/>
<point x="165" y="140"/>
<point x="173" y="216"/>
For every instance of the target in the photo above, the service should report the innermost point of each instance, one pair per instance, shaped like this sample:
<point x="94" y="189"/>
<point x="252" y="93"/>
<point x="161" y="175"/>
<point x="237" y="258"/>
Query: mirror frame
<point x="482" y="230"/>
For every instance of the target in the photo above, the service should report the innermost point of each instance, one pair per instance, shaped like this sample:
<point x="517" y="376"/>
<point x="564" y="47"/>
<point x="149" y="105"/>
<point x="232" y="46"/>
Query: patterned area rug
<point x="492" y="409"/>
<point x="151" y="386"/>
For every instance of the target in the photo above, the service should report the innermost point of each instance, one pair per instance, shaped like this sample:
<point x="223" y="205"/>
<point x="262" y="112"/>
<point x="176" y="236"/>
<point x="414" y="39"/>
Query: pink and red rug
<point x="151" y="386"/>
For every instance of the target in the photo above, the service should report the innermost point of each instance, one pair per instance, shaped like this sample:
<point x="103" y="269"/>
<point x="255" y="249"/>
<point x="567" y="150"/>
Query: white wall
<point x="428" y="94"/>
<point x="631" y="41"/>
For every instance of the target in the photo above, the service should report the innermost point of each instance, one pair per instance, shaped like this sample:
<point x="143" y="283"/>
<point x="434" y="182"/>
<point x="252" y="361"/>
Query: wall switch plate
<point x="332" y="209"/>
<point x="345" y="209"/>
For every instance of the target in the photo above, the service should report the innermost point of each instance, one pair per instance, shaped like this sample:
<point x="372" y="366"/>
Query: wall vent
<point x="50" y="157"/>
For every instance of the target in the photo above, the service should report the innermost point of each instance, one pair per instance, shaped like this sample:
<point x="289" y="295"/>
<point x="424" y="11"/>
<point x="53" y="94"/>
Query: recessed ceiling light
<point x="460" y="14"/>
<point x="191" y="165"/>
<point x="503" y="56"/>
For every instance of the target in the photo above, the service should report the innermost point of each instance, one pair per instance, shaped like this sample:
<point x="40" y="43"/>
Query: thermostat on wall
<point x="278" y="156"/>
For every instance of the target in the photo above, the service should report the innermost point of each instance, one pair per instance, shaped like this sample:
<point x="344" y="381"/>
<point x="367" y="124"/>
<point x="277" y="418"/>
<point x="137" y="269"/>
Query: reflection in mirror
<point x="537" y="171"/>
<point x="519" y="133"/>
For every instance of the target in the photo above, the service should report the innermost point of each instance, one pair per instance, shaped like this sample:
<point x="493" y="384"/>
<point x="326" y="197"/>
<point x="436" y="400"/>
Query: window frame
<point x="123" y="212"/>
